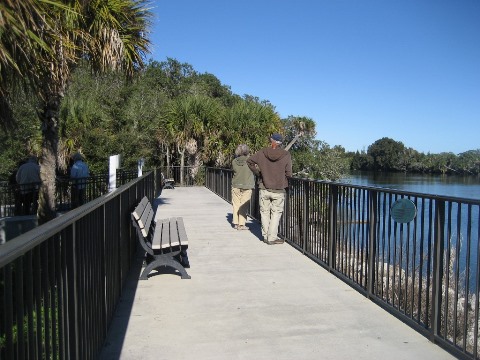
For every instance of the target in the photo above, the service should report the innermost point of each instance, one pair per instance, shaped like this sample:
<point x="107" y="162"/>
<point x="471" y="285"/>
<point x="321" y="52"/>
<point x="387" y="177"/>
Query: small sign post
<point x="140" y="164"/>
<point x="112" y="172"/>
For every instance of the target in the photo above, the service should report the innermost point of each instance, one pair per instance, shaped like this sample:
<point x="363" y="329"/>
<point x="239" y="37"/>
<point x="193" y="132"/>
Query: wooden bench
<point x="169" y="184"/>
<point x="164" y="241"/>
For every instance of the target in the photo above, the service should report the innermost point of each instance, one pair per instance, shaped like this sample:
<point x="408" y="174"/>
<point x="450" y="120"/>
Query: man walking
<point x="28" y="178"/>
<point x="79" y="175"/>
<point x="272" y="165"/>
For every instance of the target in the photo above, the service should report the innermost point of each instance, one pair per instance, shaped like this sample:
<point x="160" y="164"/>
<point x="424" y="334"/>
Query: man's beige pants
<point x="271" y="210"/>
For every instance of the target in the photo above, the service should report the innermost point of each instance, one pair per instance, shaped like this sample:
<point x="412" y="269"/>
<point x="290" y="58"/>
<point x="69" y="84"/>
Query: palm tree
<point x="19" y="45"/>
<point x="182" y="123"/>
<point x="299" y="126"/>
<point x="108" y="34"/>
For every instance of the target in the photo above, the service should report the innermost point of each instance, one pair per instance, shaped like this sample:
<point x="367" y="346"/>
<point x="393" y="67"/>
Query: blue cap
<point x="276" y="137"/>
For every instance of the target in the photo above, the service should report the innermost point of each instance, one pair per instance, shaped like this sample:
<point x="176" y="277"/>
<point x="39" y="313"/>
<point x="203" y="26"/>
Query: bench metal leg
<point x="177" y="266"/>
<point x="164" y="262"/>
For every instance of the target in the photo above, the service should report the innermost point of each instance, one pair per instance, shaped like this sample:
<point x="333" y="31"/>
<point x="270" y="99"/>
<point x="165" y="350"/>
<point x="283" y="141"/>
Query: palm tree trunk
<point x="48" y="161"/>
<point x="294" y="140"/>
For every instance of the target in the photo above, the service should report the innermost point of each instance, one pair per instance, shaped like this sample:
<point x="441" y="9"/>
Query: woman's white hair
<point x="242" y="149"/>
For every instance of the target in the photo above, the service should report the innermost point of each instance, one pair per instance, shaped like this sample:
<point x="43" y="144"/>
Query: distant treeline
<point x="169" y="114"/>
<point x="388" y="155"/>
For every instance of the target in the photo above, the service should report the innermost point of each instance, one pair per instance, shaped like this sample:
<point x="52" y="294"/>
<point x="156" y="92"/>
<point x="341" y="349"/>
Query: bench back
<point x="143" y="216"/>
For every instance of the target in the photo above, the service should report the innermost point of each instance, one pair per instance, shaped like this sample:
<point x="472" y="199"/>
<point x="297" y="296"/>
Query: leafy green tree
<point x="210" y="86"/>
<point x="248" y="121"/>
<point x="387" y="154"/>
<point x="23" y="139"/>
<point x="442" y="162"/>
<point x="21" y="44"/>
<point x="183" y="124"/>
<point x="297" y="127"/>
<point x="172" y="76"/>
<point x="103" y="115"/>
<point x="108" y="34"/>
<point x="468" y="162"/>
<point x="413" y="160"/>
<point x="361" y="161"/>
<point x="312" y="158"/>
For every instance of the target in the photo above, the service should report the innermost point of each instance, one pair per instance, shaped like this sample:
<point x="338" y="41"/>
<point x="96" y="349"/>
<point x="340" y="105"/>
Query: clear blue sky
<point x="361" y="69"/>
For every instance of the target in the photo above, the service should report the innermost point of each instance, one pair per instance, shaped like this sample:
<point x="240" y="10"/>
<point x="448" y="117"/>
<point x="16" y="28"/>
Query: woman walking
<point x="242" y="184"/>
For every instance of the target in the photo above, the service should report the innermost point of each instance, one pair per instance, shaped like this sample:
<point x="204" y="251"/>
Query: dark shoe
<point x="275" y="242"/>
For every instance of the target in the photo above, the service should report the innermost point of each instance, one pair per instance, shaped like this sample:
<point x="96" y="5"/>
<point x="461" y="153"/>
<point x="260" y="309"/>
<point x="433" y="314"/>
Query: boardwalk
<point x="249" y="300"/>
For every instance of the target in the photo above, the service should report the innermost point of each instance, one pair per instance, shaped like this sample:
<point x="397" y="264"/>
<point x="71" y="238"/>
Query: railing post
<point x="438" y="249"/>
<point x="305" y="210"/>
<point x="332" y="231"/>
<point x="224" y="184"/>
<point x="72" y="307"/>
<point x="286" y="213"/>
<point x="372" y="242"/>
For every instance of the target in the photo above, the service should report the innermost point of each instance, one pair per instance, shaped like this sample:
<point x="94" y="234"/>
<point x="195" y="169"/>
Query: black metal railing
<point x="425" y="271"/>
<point x="12" y="204"/>
<point x="18" y="200"/>
<point x="60" y="283"/>
<point x="94" y="187"/>
<point x="126" y="175"/>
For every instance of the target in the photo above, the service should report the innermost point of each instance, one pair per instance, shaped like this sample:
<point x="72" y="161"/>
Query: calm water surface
<point x="466" y="187"/>
<point x="450" y="185"/>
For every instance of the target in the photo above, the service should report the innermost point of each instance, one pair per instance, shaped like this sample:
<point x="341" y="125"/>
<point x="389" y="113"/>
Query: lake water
<point x="467" y="187"/>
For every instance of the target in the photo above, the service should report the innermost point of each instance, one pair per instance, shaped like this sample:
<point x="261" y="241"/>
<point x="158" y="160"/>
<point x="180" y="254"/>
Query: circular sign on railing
<point x="403" y="210"/>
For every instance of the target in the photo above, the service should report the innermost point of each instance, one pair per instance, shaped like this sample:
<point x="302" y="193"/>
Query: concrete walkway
<point x="249" y="300"/>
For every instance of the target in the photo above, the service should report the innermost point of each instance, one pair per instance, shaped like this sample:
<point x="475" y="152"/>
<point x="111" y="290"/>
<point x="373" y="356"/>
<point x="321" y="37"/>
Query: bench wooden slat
<point x="144" y="213"/>
<point x="174" y="239"/>
<point x="169" y="233"/>
<point x="182" y="233"/>
<point x="165" y="234"/>
<point x="146" y="220"/>
<point x="137" y="213"/>
<point x="157" y="236"/>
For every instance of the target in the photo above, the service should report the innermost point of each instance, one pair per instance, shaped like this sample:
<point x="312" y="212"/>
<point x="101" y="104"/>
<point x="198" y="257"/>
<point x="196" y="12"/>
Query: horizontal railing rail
<point x="60" y="283"/>
<point x="425" y="271"/>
